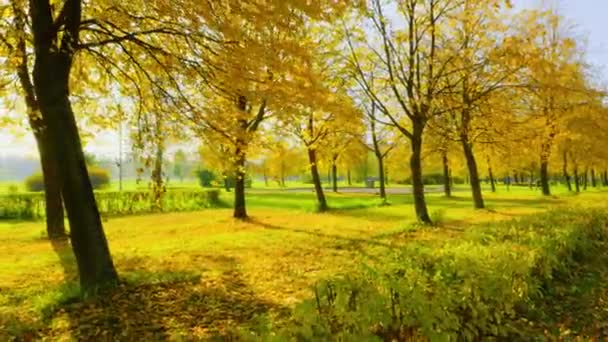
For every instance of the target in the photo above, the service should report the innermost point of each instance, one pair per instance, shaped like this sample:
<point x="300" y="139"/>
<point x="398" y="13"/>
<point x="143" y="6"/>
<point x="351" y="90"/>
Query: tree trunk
<point x="605" y="182"/>
<point x="265" y="177"/>
<point x="51" y="78"/>
<point x="316" y="179"/>
<point x="334" y="174"/>
<point x="531" y="182"/>
<point x="240" y="209"/>
<point x="491" y="175"/>
<point x="226" y="182"/>
<point x="416" y="170"/>
<point x="544" y="177"/>
<point x="593" y="180"/>
<point x="282" y="173"/>
<point x="577" y="179"/>
<point x="585" y="178"/>
<point x="157" y="176"/>
<point x="565" y="170"/>
<point x="350" y="183"/>
<point x="447" y="188"/>
<point x="473" y="173"/>
<point x="381" y="178"/>
<point x="55" y="226"/>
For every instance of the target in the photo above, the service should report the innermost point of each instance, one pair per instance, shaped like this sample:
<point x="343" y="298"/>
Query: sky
<point x="588" y="18"/>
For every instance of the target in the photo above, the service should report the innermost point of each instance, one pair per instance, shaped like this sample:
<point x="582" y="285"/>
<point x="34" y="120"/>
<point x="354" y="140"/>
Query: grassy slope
<point x="226" y="271"/>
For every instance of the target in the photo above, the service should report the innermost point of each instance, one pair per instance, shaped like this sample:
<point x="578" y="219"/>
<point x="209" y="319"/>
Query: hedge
<point x="31" y="205"/>
<point x="470" y="288"/>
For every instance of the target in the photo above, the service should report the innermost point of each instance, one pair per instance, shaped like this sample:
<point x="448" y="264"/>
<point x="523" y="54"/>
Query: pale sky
<point x="587" y="16"/>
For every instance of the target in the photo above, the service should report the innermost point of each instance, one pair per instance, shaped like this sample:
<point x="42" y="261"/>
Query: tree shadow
<point x="160" y="305"/>
<point x="338" y="241"/>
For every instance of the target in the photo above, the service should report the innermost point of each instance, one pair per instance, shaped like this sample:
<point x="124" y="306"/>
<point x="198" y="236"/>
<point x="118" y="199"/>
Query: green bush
<point x="205" y="178"/>
<point x="99" y="177"/>
<point x="470" y="288"/>
<point x="35" y="182"/>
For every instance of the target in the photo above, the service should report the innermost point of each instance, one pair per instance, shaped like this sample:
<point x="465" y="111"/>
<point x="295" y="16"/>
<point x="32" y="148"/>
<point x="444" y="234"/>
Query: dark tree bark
<point x="157" y="172"/>
<point x="585" y="178"/>
<point x="577" y="179"/>
<point x="447" y="186"/>
<point x="240" y="209"/>
<point x="491" y="176"/>
<point x="381" y="174"/>
<point x="226" y="182"/>
<point x="473" y="172"/>
<point x="544" y="177"/>
<point x="593" y="180"/>
<point x="316" y="179"/>
<point x="265" y="177"/>
<point x="515" y="177"/>
<point x="416" y="169"/>
<point x="51" y="83"/>
<point x="334" y="173"/>
<point x="350" y="183"/>
<point x="55" y="226"/>
<point x="565" y="170"/>
<point x="605" y="178"/>
<point x="282" y="173"/>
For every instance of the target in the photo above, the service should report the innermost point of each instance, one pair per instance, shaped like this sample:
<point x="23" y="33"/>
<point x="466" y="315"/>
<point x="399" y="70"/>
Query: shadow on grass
<point x="340" y="242"/>
<point x="157" y="305"/>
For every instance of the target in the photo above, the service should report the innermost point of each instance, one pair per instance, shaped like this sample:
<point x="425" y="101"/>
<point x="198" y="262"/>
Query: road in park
<point x="356" y="190"/>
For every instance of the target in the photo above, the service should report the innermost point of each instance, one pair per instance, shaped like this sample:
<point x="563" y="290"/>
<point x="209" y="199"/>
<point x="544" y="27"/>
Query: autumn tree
<point x="407" y="58"/>
<point x="14" y="46"/>
<point x="56" y="32"/>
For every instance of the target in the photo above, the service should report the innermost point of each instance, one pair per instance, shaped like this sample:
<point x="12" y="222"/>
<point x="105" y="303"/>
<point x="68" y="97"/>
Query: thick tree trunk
<point x="51" y="75"/>
<point x="416" y="170"/>
<point x="593" y="180"/>
<point x="605" y="178"/>
<point x="240" y="209"/>
<point x="447" y="188"/>
<point x="334" y="174"/>
<point x="565" y="170"/>
<point x="473" y="172"/>
<point x="381" y="178"/>
<point x="316" y="179"/>
<point x="55" y="226"/>
<point x="544" y="177"/>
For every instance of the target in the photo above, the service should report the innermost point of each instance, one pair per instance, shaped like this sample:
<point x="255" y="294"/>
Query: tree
<point x="16" y="44"/>
<point x="410" y="66"/>
<point x="56" y="38"/>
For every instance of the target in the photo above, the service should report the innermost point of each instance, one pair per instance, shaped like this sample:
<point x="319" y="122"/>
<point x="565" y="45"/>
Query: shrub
<point x="35" y="182"/>
<point x="470" y="288"/>
<point x="205" y="178"/>
<point x="99" y="177"/>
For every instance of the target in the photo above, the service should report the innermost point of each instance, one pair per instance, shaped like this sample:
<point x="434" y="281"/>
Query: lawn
<point x="201" y="273"/>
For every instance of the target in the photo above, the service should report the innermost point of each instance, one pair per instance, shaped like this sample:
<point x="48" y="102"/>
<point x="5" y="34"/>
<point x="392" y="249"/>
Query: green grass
<point x="224" y="270"/>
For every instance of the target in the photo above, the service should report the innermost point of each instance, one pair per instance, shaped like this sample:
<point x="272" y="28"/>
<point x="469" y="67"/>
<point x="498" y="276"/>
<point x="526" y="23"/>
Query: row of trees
<point x="438" y="77"/>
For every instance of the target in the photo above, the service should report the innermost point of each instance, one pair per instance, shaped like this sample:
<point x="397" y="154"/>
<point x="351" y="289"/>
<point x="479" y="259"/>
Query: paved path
<point x="355" y="190"/>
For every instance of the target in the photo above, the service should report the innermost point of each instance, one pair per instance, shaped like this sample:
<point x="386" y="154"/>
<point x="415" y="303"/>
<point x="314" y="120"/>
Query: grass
<point x="214" y="272"/>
